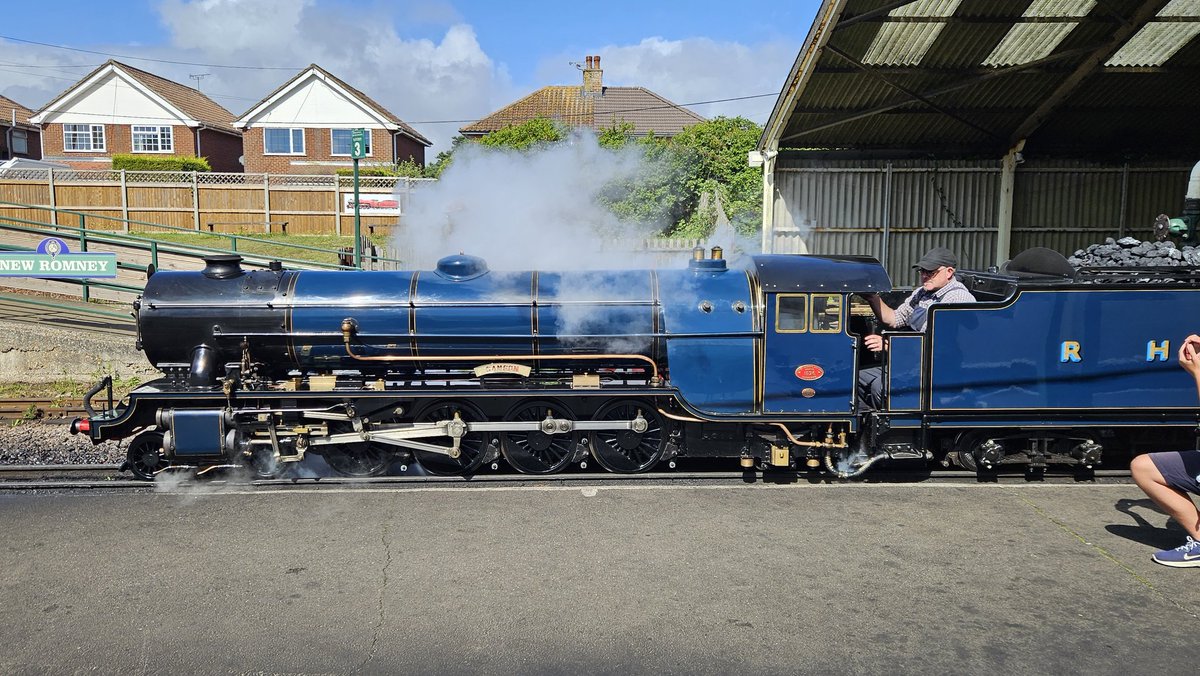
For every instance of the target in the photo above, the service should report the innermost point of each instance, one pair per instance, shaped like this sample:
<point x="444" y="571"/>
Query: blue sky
<point x="434" y="63"/>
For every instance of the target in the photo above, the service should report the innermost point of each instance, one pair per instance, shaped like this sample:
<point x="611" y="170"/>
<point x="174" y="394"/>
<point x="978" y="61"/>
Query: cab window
<point x="791" y="313"/>
<point x="826" y="313"/>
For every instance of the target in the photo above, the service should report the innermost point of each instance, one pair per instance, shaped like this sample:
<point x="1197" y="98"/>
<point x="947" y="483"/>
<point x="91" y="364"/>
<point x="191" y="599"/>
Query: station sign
<point x="53" y="260"/>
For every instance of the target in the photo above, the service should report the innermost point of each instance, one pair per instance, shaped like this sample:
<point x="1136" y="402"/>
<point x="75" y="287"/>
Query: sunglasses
<point x="930" y="273"/>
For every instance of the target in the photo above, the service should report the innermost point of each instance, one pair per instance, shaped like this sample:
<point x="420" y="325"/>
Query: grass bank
<point x="272" y="245"/>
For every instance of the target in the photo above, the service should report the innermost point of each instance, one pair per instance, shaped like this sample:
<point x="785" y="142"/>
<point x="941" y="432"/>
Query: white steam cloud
<point x="535" y="209"/>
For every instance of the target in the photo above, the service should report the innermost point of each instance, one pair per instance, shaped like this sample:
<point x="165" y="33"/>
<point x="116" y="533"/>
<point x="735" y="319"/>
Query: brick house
<point x="18" y="137"/>
<point x="120" y="109"/>
<point x="304" y="127"/>
<point x="591" y="104"/>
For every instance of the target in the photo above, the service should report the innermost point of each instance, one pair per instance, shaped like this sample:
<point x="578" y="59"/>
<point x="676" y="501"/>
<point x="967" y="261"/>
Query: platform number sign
<point x="358" y="143"/>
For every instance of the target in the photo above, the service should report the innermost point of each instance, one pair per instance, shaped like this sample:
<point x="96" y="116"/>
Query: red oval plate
<point x="809" y="372"/>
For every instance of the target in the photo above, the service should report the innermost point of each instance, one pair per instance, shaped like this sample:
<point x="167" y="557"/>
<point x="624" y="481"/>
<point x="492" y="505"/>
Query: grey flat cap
<point x="936" y="258"/>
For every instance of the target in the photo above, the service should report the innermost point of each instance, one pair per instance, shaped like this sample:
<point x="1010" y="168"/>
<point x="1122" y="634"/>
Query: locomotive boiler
<point x="462" y="366"/>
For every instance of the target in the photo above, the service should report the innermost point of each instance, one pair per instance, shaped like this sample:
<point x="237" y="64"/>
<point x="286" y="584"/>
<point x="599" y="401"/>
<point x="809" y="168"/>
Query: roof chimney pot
<point x="593" y="77"/>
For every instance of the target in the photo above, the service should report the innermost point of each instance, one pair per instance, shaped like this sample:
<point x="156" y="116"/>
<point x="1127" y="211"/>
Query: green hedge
<point x="407" y="168"/>
<point x="170" y="163"/>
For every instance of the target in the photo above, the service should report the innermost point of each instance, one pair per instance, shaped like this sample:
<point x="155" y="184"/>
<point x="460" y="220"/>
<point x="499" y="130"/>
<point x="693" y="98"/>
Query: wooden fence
<point x="216" y="202"/>
<point x="239" y="203"/>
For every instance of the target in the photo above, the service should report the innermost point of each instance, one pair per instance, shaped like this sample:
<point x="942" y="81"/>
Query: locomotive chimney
<point x="222" y="266"/>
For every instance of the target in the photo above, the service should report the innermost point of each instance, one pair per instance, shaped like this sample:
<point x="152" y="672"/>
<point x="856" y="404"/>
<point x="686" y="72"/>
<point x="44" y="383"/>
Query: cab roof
<point x="830" y="274"/>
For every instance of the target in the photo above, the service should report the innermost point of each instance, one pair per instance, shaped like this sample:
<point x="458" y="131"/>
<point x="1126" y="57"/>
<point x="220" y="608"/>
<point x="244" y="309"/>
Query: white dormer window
<point x="283" y="141"/>
<point x="340" y="140"/>
<point x="83" y="137"/>
<point x="152" y="139"/>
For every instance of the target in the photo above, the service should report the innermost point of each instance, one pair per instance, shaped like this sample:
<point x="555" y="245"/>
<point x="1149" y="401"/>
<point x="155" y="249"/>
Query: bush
<point x="407" y="168"/>
<point x="171" y="163"/>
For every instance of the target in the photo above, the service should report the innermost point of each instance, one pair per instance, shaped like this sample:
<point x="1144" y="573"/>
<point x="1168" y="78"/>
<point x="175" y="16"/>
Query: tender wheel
<point x="362" y="459"/>
<point x="472" y="448"/>
<point x="629" y="451"/>
<point x="145" y="455"/>
<point x="537" y="451"/>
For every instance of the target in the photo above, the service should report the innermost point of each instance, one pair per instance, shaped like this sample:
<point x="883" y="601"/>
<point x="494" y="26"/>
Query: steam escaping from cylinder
<point x="535" y="209"/>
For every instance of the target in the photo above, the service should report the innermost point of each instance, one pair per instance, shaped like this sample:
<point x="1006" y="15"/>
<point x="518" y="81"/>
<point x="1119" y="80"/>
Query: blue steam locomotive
<point x="463" y="366"/>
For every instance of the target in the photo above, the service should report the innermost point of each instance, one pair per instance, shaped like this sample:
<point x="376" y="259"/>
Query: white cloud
<point x="419" y="80"/>
<point x="445" y="75"/>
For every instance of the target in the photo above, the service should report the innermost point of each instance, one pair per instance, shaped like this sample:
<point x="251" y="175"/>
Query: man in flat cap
<point x="938" y="285"/>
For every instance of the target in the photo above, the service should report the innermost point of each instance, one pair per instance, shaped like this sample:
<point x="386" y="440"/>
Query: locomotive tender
<point x="456" y="367"/>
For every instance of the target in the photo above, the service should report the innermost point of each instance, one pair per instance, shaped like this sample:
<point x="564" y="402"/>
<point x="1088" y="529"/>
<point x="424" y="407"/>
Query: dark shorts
<point x="1181" y="469"/>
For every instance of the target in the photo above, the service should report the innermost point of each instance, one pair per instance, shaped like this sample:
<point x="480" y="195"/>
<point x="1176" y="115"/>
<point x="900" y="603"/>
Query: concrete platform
<point x="800" y="578"/>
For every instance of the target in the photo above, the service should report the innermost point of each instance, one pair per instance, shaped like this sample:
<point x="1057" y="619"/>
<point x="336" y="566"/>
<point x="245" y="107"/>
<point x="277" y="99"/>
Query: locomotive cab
<point x="810" y="360"/>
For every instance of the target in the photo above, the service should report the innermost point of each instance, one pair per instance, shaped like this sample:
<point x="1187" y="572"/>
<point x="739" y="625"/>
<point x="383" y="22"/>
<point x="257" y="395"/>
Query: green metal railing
<point x="123" y="234"/>
<point x="123" y="239"/>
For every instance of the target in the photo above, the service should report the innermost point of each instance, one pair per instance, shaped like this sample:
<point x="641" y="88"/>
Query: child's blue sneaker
<point x="1186" y="555"/>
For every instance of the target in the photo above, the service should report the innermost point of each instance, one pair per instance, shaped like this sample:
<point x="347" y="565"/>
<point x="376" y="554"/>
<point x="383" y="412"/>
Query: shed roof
<point x="1082" y="78"/>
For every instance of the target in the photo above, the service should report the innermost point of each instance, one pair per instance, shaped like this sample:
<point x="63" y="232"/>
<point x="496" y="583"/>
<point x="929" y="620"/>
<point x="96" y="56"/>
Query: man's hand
<point x="1189" y="355"/>
<point x="874" y="342"/>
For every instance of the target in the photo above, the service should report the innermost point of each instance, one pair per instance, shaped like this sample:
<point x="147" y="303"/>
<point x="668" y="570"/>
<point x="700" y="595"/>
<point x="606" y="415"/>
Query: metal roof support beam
<point x="1008" y="175"/>
<point x="871" y="15"/>
<point x="910" y="93"/>
<point x="1120" y="34"/>
<point x="768" y="200"/>
<point x="940" y="90"/>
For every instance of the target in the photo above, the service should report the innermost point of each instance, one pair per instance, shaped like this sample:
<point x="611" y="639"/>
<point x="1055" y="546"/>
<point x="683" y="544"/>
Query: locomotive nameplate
<point x="809" y="372"/>
<point x="500" y="368"/>
<point x="585" y="381"/>
<point x="319" y="383"/>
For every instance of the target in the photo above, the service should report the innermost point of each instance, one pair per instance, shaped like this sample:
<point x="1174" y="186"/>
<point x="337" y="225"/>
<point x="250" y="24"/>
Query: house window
<point x="152" y="139"/>
<point x="83" y="137"/>
<point x="20" y="142"/>
<point x="340" y="142"/>
<point x="283" y="141"/>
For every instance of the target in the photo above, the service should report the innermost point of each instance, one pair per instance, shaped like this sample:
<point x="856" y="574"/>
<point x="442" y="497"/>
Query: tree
<point x="706" y="158"/>
<point x="444" y="158"/>
<point x="538" y="131"/>
<point x="720" y="147"/>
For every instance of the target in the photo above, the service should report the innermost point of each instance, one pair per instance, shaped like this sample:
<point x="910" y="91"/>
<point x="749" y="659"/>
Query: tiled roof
<point x="7" y="106"/>
<point x="190" y="102"/>
<point x="643" y="108"/>
<point x="368" y="101"/>
<point x="648" y="111"/>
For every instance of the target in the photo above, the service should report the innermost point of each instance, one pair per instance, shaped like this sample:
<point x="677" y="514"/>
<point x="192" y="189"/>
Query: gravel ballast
<point x="41" y="353"/>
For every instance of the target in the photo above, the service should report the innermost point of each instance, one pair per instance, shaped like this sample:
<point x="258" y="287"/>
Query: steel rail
<point x="63" y="477"/>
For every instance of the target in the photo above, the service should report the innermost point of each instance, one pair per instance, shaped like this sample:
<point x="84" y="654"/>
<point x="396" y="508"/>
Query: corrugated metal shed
<point x="967" y="78"/>
<point x="988" y="126"/>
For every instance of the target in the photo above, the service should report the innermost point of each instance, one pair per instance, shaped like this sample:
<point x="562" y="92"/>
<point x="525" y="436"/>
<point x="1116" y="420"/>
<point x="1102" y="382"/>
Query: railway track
<point x="32" y="408"/>
<point x="29" y="477"/>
